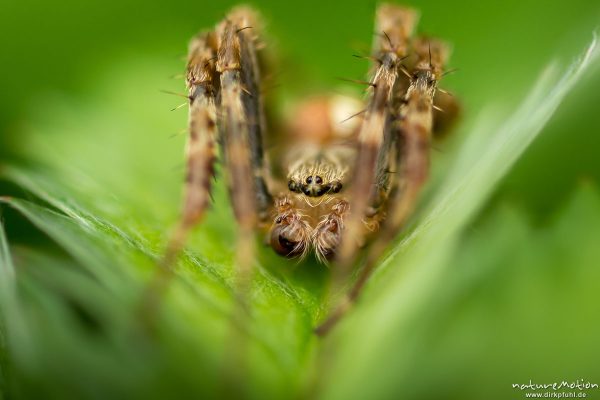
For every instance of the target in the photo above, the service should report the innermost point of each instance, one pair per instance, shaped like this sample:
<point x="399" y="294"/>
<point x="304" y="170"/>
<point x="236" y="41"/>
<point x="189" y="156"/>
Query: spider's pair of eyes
<point x="317" y="179"/>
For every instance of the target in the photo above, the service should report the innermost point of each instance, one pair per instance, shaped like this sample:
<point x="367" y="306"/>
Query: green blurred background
<point x="83" y="118"/>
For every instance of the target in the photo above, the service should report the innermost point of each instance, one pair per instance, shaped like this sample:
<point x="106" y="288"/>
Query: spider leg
<point x="241" y="125"/>
<point x="247" y="22"/>
<point x="203" y="85"/>
<point x="415" y="130"/>
<point x="224" y="106"/>
<point x="394" y="26"/>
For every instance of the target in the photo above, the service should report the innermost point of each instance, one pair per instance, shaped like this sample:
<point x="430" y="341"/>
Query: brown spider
<point x="344" y="184"/>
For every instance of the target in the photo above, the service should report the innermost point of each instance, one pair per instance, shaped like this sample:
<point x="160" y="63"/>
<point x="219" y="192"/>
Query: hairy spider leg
<point x="394" y="26"/>
<point x="202" y="85"/>
<point x="241" y="125"/>
<point x="225" y="107"/>
<point x="415" y="129"/>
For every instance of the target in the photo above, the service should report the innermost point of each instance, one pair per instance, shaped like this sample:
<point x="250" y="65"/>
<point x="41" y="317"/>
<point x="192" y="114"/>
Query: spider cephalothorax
<point x="344" y="184"/>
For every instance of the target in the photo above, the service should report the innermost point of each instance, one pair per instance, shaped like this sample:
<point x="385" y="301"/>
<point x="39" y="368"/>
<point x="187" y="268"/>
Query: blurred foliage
<point x="91" y="183"/>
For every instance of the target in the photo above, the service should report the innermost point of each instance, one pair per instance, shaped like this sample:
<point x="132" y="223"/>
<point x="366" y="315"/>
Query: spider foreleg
<point x="413" y="150"/>
<point x="416" y="149"/>
<point x="202" y="84"/>
<point x="248" y="24"/>
<point x="234" y="128"/>
<point x="395" y="25"/>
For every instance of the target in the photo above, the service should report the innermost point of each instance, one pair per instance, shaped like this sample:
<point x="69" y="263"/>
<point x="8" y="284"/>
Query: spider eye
<point x="283" y="244"/>
<point x="318" y="180"/>
<point x="321" y="191"/>
<point x="292" y="186"/>
<point x="309" y="180"/>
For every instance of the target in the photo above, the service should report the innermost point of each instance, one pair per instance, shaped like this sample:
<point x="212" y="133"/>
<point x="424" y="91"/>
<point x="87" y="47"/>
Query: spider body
<point x="343" y="184"/>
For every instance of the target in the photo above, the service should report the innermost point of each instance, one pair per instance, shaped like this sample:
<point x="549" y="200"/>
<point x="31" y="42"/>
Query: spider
<point x="342" y="185"/>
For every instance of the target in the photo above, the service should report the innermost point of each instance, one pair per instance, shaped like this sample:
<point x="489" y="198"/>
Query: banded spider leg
<point x="225" y="107"/>
<point x="402" y="143"/>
